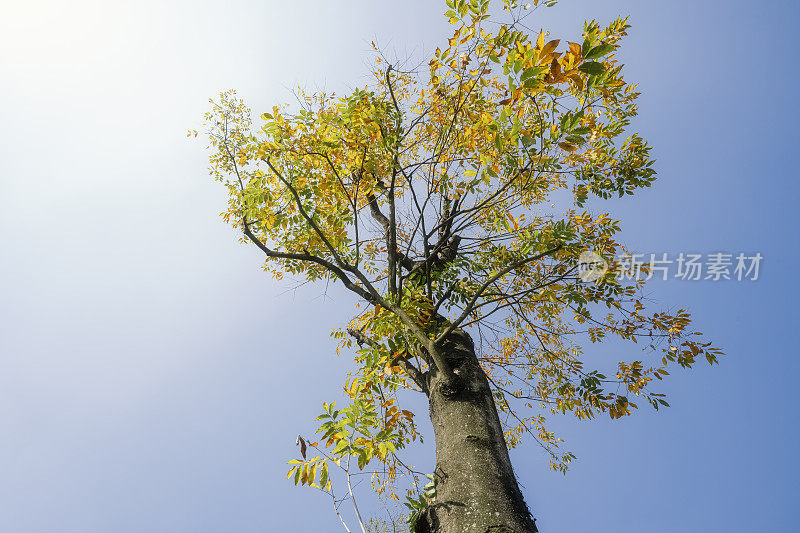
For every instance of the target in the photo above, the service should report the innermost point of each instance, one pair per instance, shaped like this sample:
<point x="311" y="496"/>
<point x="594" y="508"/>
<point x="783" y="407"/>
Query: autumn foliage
<point x="460" y="195"/>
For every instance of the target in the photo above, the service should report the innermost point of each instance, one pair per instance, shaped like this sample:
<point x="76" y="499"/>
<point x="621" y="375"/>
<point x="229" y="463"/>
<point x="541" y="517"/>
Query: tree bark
<point x="476" y="490"/>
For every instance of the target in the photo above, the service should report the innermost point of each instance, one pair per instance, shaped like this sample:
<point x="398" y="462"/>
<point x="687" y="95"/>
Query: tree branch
<point x="502" y="272"/>
<point x="408" y="367"/>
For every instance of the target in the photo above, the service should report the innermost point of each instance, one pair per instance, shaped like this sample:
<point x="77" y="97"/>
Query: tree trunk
<point x="476" y="491"/>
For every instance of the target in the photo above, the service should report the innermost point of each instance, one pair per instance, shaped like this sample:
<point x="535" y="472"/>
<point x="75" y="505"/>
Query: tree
<point x="452" y="203"/>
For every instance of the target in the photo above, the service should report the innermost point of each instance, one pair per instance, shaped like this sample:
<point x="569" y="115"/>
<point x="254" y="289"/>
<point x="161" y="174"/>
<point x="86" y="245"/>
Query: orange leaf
<point x="567" y="146"/>
<point x="577" y="80"/>
<point x="555" y="69"/>
<point x="549" y="47"/>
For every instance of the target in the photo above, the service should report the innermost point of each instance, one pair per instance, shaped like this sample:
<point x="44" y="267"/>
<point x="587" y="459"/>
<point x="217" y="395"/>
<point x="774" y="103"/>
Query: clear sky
<point x="152" y="378"/>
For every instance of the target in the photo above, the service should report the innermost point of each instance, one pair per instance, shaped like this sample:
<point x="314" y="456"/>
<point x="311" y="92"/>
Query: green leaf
<point x="593" y="68"/>
<point x="599" y="51"/>
<point x="323" y="475"/>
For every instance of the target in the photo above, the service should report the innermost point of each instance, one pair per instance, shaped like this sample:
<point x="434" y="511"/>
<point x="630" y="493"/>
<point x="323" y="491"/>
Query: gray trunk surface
<point x="476" y="491"/>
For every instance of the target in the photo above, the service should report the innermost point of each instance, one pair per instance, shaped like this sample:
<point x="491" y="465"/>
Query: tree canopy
<point x="461" y="195"/>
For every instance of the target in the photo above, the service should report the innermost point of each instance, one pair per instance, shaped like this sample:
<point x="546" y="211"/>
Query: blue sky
<point x="152" y="378"/>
